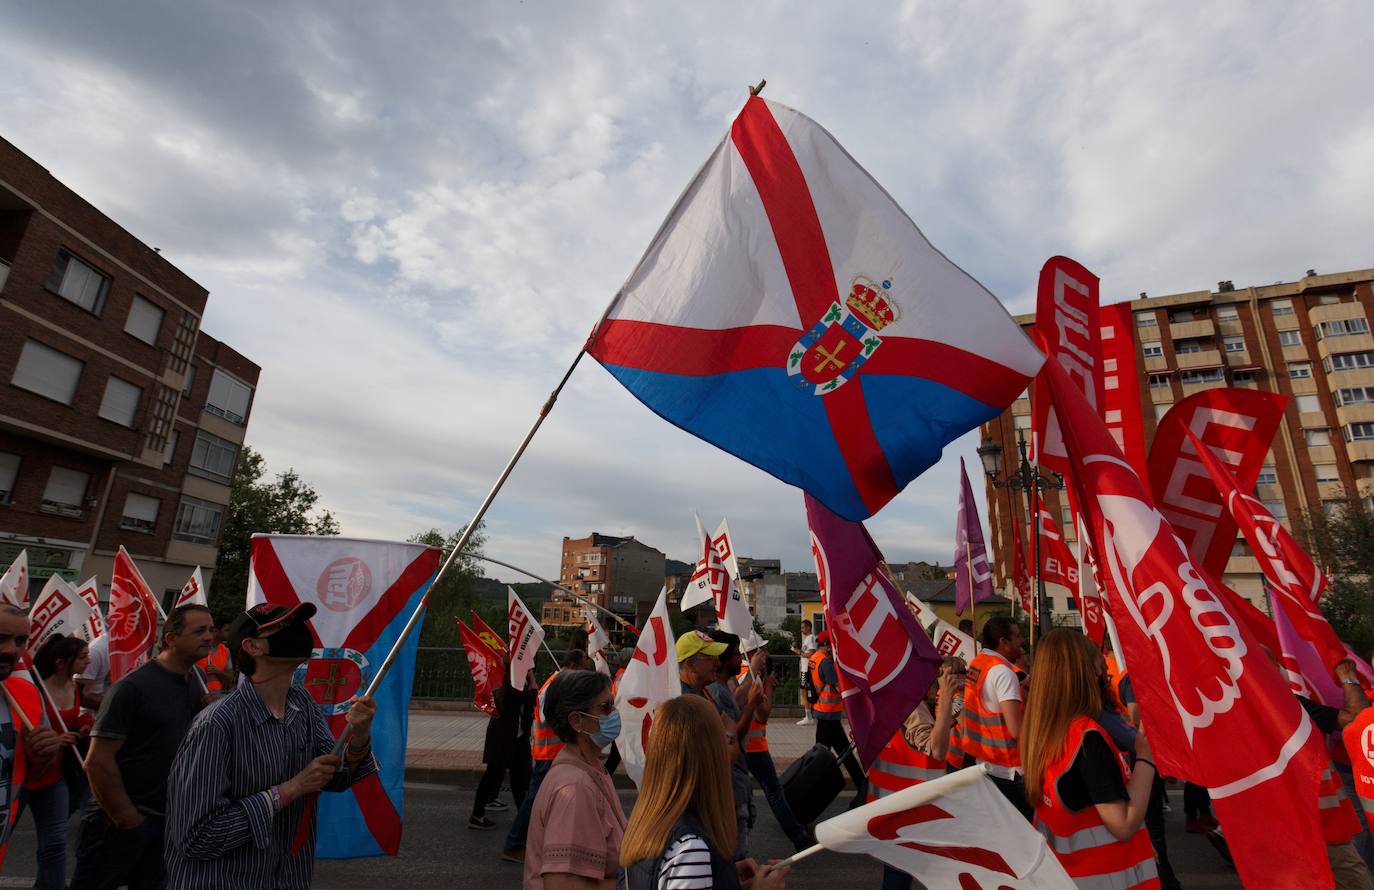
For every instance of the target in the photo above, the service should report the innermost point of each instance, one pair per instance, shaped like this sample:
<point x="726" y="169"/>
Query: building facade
<point x="615" y="573"/>
<point x="1309" y="340"/>
<point x="120" y="422"/>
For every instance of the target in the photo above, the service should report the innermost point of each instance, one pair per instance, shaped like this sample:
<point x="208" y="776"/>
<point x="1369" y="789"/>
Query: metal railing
<point x="441" y="672"/>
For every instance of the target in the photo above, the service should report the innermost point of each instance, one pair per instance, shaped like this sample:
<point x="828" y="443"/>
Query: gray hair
<point x="571" y="692"/>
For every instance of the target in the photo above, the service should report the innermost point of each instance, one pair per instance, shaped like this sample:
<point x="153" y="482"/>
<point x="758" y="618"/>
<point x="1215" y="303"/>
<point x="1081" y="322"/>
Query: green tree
<point x="1343" y="546"/>
<point x="286" y="505"/>
<point x="456" y="592"/>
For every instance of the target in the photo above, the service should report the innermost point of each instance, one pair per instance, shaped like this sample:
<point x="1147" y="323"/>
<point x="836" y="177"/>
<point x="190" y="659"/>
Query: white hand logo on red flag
<point x="133" y="617"/>
<point x="485" y="666"/>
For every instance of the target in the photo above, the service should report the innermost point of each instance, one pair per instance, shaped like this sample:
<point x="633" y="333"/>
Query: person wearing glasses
<point x="577" y="822"/>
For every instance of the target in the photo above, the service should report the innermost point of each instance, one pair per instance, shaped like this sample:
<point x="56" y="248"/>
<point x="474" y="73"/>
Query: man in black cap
<point x="242" y="788"/>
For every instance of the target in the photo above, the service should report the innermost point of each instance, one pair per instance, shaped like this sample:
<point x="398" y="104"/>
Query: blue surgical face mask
<point x="607" y="728"/>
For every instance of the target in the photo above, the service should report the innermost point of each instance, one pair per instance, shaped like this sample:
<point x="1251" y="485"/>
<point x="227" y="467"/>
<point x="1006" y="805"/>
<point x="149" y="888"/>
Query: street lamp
<point x="1025" y="477"/>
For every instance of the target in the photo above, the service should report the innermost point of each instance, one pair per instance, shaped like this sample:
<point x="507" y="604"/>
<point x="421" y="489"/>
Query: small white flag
<point x="58" y="609"/>
<point x="89" y="591"/>
<point x="712" y="582"/>
<point x="14" y="584"/>
<point x="525" y="636"/>
<point x="193" y="592"/>
<point x="650" y="678"/>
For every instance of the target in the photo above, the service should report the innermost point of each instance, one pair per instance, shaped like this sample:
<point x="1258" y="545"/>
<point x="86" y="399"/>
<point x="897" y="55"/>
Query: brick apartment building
<point x="620" y="574"/>
<point x="120" y="422"/>
<point x="1309" y="340"/>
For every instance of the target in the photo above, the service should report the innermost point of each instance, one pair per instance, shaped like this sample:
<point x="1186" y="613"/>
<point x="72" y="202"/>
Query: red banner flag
<point x="1239" y="424"/>
<point x="1020" y="574"/>
<point x="1218" y="712"/>
<point x="1121" y="408"/>
<point x="1066" y="323"/>
<point x="1294" y="580"/>
<point x="1057" y="564"/>
<point x="133" y="617"/>
<point x="485" y="666"/>
<point x="486" y="634"/>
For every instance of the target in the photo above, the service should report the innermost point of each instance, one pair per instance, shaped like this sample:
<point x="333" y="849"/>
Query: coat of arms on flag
<point x="365" y="591"/>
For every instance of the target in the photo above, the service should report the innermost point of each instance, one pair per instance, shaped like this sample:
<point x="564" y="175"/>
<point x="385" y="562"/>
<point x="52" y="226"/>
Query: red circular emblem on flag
<point x="344" y="583"/>
<point x="334" y="678"/>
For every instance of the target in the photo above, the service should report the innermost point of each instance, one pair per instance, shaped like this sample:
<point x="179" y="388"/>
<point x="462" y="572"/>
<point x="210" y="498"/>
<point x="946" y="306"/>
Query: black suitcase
<point x="812" y="783"/>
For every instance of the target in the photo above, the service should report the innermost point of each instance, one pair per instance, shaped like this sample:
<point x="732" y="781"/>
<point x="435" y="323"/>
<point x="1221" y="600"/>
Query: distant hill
<point x="491" y="589"/>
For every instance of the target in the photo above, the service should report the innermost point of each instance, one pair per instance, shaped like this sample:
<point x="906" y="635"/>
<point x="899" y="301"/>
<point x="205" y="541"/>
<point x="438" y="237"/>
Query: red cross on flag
<point x="193" y="591"/>
<point x="133" y="617"/>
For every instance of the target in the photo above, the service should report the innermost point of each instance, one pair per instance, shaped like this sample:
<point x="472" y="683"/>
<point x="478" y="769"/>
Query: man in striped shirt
<point x="241" y="791"/>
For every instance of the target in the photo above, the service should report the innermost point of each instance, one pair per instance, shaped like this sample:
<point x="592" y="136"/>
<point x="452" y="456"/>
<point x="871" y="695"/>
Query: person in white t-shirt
<point x="95" y="679"/>
<point x="807" y="648"/>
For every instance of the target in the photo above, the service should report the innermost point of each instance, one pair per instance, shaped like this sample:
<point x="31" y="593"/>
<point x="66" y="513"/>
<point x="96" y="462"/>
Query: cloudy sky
<point x="410" y="214"/>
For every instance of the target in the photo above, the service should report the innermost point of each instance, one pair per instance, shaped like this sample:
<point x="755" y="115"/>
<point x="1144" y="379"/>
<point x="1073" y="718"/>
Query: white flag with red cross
<point x="14" y="584"/>
<point x="525" y="636"/>
<point x="957" y="831"/>
<point x="364" y="593"/>
<point x="193" y="591"/>
<point x="650" y="678"/>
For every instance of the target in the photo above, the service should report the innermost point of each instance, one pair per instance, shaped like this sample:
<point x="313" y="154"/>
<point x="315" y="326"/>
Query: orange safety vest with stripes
<point x="899" y="766"/>
<point x="829" y="701"/>
<point x="26" y="696"/>
<point x="1339" y="822"/>
<point x="546" y="743"/>
<point x="756" y="740"/>
<point x="1090" y="853"/>
<point x="1359" y="744"/>
<point x="218" y="659"/>
<point x="1116" y="675"/>
<point x="984" y="733"/>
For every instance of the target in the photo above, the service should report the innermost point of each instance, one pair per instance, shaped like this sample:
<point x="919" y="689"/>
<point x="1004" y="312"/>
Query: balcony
<point x="1207" y="358"/>
<point x="1362" y="413"/>
<point x="1192" y="330"/>
<point x="1335" y="312"/>
<point x="1313" y="420"/>
<point x="1242" y="565"/>
<point x="1330" y="491"/>
<point x="1360" y="449"/>
<point x="1344" y="343"/>
<point x="1353" y="377"/>
<point x="1156" y="363"/>
<point x="1239" y="359"/>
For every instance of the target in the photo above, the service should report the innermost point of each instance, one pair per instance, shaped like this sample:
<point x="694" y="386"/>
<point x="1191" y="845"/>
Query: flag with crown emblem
<point x="364" y="592"/>
<point x="790" y="313"/>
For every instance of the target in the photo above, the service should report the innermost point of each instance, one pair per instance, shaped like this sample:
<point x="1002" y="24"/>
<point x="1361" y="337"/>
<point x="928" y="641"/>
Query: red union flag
<point x="957" y="831"/>
<point x="133" y="617"/>
<point x="1238" y="424"/>
<point x="1021" y="578"/>
<point x="885" y="663"/>
<point x="1121" y="408"/>
<point x="650" y="679"/>
<point x="486" y="634"/>
<point x="1218" y="712"/>
<point x="1066" y="322"/>
<point x="1057" y="565"/>
<point x="485" y="666"/>
<point x="525" y="637"/>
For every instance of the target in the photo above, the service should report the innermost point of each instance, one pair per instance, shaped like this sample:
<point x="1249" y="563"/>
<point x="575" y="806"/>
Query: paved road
<point x="439" y="851"/>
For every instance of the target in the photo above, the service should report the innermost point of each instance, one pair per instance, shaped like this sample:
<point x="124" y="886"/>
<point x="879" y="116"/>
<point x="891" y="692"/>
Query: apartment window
<point x="1146" y="320"/>
<point x="1342" y="327"/>
<point x="171" y="447"/>
<point x="1188" y="347"/>
<point x="65" y="492"/>
<point x="1234" y="344"/>
<point x="1240" y="548"/>
<point x="182" y="344"/>
<point x="1354" y="395"/>
<point x="120" y="402"/>
<point x="1065" y="516"/>
<point x="190" y="381"/>
<point x="140" y="513"/>
<point x="1281" y="307"/>
<point x="197" y="521"/>
<point x="1207" y="375"/>
<point x="79" y="282"/>
<point x="1309" y="405"/>
<point x="214" y="457"/>
<point x="163" y="410"/>
<point x="1159" y="381"/>
<point x="1227" y="313"/>
<point x="1327" y="473"/>
<point x="1349" y="361"/>
<point x="9" y="472"/>
<point x="1179" y="316"/>
<point x="228" y="397"/>
<point x="1267" y="476"/>
<point x="1241" y="377"/>
<point x="1290" y="338"/>
<point x="46" y="371"/>
<point x="1316" y="438"/>
<point x="1359" y="432"/>
<point x="145" y="320"/>
<point x="1276" y="509"/>
<point x="1300" y="370"/>
<point x="1151" y="348"/>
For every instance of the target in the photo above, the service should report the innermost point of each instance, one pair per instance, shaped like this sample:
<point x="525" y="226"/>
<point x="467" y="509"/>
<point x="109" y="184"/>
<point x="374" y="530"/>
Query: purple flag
<point x="884" y="661"/>
<point x="972" y="574"/>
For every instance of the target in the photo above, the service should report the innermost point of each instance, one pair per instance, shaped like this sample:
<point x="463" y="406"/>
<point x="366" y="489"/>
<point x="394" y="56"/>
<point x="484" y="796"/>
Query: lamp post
<point x="1024" y="477"/>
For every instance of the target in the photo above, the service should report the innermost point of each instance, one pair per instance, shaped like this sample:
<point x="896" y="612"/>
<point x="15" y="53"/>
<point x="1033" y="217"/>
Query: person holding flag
<point x="25" y="743"/>
<point x="830" y="714"/>
<point x="990" y="724"/>
<point x="505" y="749"/>
<point x="739" y="713"/>
<point x="756" y="756"/>
<point x="241" y="793"/>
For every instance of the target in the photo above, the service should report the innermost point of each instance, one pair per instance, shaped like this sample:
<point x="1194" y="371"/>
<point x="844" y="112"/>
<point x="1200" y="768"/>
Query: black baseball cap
<point x="265" y="618"/>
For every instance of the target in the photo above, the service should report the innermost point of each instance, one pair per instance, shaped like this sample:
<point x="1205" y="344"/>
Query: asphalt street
<point x="439" y="851"/>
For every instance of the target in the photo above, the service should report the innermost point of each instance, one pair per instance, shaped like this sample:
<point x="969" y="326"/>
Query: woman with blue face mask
<point x="577" y="821"/>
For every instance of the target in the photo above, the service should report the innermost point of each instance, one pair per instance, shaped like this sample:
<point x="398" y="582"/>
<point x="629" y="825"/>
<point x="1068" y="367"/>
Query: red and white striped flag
<point x="525" y="636"/>
<point x="133" y="617"/>
<point x="193" y="591"/>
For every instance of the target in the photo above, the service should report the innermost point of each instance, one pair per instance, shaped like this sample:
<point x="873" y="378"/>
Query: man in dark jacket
<point x="506" y="749"/>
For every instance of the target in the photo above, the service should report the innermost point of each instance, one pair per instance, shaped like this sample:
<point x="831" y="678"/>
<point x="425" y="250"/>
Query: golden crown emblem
<point x="870" y="301"/>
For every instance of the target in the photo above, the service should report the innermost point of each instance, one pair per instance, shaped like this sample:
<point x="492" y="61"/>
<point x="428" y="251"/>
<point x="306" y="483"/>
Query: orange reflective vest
<point x="1339" y="822"/>
<point x="218" y="659"/>
<point x="1359" y="744"/>
<point x="985" y="736"/>
<point x="1090" y="853"/>
<point x="900" y="766"/>
<point x="829" y="701"/>
<point x="25" y="695"/>
<point x="545" y="742"/>
<point x="1116" y="675"/>
<point x="756" y="740"/>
